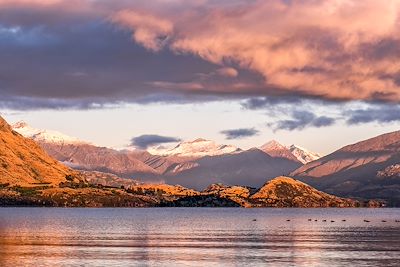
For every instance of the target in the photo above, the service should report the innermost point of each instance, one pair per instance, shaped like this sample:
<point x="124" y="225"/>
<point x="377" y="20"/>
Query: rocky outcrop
<point x="288" y="192"/>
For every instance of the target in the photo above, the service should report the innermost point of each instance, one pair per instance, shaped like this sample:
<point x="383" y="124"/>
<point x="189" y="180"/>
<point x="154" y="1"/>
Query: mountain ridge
<point x="353" y="169"/>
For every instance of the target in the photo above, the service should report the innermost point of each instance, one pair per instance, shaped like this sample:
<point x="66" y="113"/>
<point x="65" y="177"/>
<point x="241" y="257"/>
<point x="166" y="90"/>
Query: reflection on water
<point x="199" y="236"/>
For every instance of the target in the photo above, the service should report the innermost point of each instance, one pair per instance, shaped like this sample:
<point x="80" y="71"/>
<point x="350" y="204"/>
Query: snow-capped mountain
<point x="303" y="155"/>
<point x="197" y="148"/>
<point x="45" y="136"/>
<point x="293" y="152"/>
<point x="277" y="150"/>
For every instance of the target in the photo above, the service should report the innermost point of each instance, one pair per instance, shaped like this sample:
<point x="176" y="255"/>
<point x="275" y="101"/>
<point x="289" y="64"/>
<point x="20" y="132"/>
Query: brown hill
<point x="288" y="192"/>
<point x="23" y="162"/>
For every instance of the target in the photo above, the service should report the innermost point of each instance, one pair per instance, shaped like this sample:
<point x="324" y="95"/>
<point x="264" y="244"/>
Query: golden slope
<point x="23" y="162"/>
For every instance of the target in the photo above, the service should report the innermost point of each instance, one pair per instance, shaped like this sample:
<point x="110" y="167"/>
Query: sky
<point x="116" y="73"/>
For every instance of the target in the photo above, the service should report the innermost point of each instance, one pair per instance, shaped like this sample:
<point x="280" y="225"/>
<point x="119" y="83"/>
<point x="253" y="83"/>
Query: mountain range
<point x="367" y="169"/>
<point x="194" y="164"/>
<point x="30" y="177"/>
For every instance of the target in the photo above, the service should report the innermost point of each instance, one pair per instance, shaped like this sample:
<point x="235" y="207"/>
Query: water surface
<point x="199" y="237"/>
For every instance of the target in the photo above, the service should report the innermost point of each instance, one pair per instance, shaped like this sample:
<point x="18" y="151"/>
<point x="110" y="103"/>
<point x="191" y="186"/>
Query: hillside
<point x="353" y="170"/>
<point x="24" y="163"/>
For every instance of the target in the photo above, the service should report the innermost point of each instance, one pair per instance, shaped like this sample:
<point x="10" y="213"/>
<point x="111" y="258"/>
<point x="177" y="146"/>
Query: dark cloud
<point x="380" y="114"/>
<point x="266" y="102"/>
<point x="239" y="133"/>
<point x="147" y="140"/>
<point x="78" y="64"/>
<point x="322" y="121"/>
<point x="302" y="119"/>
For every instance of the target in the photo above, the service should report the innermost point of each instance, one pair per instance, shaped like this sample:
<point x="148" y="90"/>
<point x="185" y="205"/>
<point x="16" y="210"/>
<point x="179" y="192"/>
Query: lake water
<point x="199" y="237"/>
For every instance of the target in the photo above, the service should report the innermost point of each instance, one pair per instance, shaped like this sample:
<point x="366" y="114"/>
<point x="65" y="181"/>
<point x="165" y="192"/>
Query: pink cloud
<point x="30" y="2"/>
<point x="149" y="30"/>
<point x="309" y="47"/>
<point x="228" y="72"/>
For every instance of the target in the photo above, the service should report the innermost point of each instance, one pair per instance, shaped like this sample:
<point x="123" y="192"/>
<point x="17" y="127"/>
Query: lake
<point x="199" y="237"/>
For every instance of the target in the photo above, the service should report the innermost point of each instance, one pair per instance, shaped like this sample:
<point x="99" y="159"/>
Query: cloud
<point x="90" y="53"/>
<point x="382" y="114"/>
<point x="150" y="31"/>
<point x="147" y="140"/>
<point x="315" y="48"/>
<point x="29" y="2"/>
<point x="239" y="133"/>
<point x="228" y="72"/>
<point x="301" y="120"/>
<point x="267" y="102"/>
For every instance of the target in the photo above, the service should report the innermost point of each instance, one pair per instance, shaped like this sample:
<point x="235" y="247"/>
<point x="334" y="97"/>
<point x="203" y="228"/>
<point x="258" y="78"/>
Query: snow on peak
<point x="303" y="155"/>
<point x="45" y="136"/>
<point x="277" y="150"/>
<point x="197" y="148"/>
<point x="293" y="152"/>
<point x="272" y="145"/>
<point x="20" y="124"/>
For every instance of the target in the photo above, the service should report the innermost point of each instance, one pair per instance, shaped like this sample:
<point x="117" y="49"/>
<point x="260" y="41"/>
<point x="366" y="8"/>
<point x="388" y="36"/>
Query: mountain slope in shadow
<point x="251" y="168"/>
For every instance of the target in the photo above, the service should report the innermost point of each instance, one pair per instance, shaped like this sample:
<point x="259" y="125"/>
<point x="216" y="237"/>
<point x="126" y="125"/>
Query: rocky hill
<point x="288" y="192"/>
